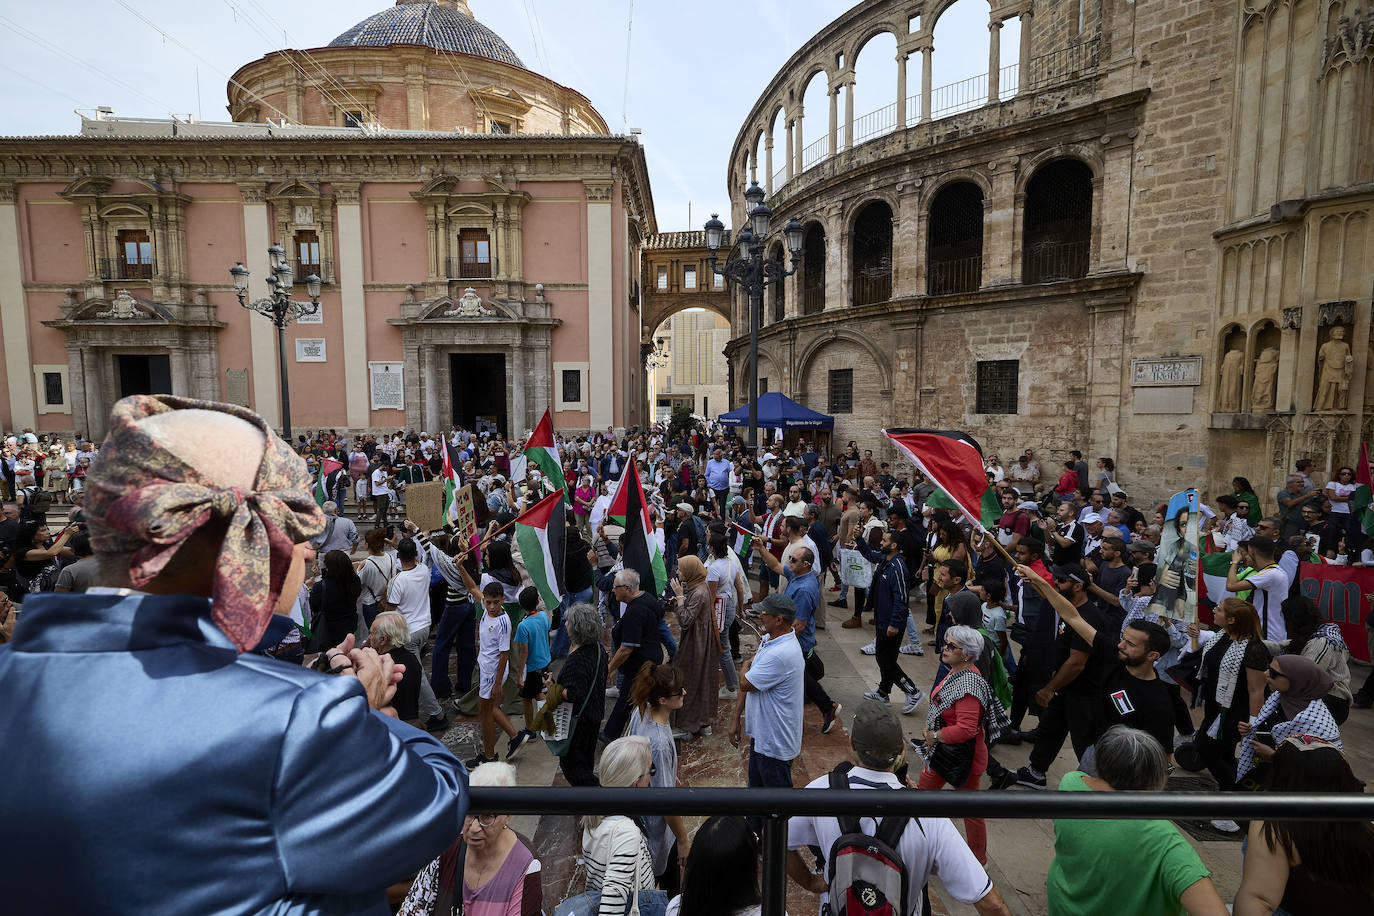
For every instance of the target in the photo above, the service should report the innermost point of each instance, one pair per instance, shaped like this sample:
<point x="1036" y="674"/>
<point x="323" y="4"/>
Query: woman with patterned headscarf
<point x="194" y="775"/>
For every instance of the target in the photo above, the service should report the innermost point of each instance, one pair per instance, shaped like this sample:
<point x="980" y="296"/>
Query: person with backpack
<point x="866" y="863"/>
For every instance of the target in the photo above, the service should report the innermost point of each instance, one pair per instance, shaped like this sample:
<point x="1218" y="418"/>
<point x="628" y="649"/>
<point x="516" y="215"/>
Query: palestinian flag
<point x="744" y="542"/>
<point x="542" y="452"/>
<point x="630" y="510"/>
<point x="1360" y="500"/>
<point x="327" y="466"/>
<point x="541" y="534"/>
<point x="989" y="511"/>
<point x="1212" y="578"/>
<point x="953" y="462"/>
<point x="451" y="486"/>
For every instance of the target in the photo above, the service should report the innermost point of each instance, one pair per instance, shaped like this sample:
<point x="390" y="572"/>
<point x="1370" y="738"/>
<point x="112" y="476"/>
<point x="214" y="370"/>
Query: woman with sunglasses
<point x="1308" y="867"/>
<point x="487" y="871"/>
<point x="658" y="692"/>
<point x="1294" y="708"/>
<point x="620" y="869"/>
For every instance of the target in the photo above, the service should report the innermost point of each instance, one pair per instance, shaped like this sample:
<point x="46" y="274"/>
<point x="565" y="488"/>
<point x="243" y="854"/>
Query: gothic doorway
<point x="478" y="386"/>
<point x="143" y="374"/>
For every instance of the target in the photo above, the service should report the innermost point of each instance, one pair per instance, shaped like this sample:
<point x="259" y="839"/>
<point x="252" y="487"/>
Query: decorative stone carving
<point x="1353" y="40"/>
<point x="598" y="192"/>
<point x="469" y="305"/>
<point x="1292" y="319"/>
<point x="69" y="300"/>
<point x="1232" y="375"/>
<point x="1334" y="365"/>
<point x="123" y="308"/>
<point x="1264" y="386"/>
<point x="410" y="293"/>
<point x="236" y="386"/>
<point x="1340" y="312"/>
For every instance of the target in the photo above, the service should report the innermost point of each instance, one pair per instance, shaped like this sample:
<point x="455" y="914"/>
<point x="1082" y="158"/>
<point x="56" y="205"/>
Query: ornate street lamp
<point x="281" y="311"/>
<point x="753" y="272"/>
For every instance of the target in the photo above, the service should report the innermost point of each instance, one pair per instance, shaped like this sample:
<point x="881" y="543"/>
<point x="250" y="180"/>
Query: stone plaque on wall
<point x="1166" y="372"/>
<point x="386" y="382"/>
<point x="236" y="386"/>
<point x="310" y="350"/>
<point x="317" y="318"/>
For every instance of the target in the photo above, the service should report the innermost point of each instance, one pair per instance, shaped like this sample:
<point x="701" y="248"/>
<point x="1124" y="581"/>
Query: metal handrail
<point x="775" y="806"/>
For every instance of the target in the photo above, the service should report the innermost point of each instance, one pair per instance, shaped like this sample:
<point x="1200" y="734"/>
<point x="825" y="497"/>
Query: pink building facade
<point x="477" y="274"/>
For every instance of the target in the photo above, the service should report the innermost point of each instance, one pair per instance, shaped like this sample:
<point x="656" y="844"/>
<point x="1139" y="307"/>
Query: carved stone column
<point x="768" y="164"/>
<point x="849" y="114"/>
<point x="994" y="60"/>
<point x="834" y="93"/>
<point x="901" y="90"/>
<point x="925" y="81"/>
<point x="1023" y="82"/>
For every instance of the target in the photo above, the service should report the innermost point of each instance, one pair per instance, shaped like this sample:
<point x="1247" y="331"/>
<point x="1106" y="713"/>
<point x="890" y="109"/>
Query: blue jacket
<point x="151" y="768"/>
<point x="888" y="592"/>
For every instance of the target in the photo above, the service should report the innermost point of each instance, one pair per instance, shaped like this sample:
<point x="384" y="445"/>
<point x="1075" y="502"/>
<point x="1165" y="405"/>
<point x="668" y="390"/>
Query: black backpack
<point x="866" y="874"/>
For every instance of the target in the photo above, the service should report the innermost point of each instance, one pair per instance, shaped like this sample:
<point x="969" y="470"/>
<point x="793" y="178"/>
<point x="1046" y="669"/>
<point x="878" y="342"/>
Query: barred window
<point x="572" y="386"/>
<point x="841" y="390"/>
<point x="997" y="383"/>
<point x="53" y="395"/>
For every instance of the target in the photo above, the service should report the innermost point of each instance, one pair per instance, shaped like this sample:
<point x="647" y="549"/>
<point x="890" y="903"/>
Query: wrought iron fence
<point x="875" y="123"/>
<point x="1049" y="262"/>
<point x="462" y="269"/>
<point x="871" y="287"/>
<point x="954" y="275"/>
<point x="815" y="152"/>
<point x="323" y="268"/>
<point x="121" y="268"/>
<point x="1063" y="65"/>
<point x="775" y="806"/>
<point x="964" y="95"/>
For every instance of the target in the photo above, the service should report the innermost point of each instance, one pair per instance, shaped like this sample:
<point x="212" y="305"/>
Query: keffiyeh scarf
<point x="965" y="683"/>
<point x="1314" y="720"/>
<point x="1230" y="671"/>
<point x="143" y="500"/>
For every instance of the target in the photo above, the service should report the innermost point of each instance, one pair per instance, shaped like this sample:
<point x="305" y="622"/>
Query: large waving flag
<point x="1360" y="500"/>
<point x="630" y="509"/>
<point x="451" y="486"/>
<point x="953" y="461"/>
<point x="541" y="534"/>
<point x="989" y="511"/>
<point x="542" y="451"/>
<point x="327" y="466"/>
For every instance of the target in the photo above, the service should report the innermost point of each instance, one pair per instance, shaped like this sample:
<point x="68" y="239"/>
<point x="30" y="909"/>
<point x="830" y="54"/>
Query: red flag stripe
<point x="952" y="460"/>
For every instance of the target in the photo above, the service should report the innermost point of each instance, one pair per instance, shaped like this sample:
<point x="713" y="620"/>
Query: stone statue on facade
<point x="1232" y="373"/>
<point x="1334" y="366"/>
<point x="1263" y="389"/>
<point x="469" y="305"/>
<point x="123" y="308"/>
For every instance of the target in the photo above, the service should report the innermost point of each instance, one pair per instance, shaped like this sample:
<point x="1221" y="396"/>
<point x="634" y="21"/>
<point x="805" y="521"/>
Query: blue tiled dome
<point x="432" y="23"/>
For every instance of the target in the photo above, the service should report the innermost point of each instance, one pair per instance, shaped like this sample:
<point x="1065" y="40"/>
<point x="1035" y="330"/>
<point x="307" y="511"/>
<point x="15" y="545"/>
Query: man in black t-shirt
<point x="1064" y="536"/>
<point x="1072" y="698"/>
<point x="1109" y="576"/>
<point x="1133" y="695"/>
<point x="636" y="638"/>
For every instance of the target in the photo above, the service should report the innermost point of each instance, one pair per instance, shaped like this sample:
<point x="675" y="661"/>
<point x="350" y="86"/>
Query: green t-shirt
<point x="1106" y="866"/>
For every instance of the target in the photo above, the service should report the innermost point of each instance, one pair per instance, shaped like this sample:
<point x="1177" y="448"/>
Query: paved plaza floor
<point x="1019" y="851"/>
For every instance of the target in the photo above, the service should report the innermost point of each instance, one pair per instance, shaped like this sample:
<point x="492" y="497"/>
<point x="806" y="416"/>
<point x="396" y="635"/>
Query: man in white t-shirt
<point x="796" y="506"/>
<point x="408" y="595"/>
<point x="795" y="527"/>
<point x="932" y="846"/>
<point x="382" y="491"/>
<point x="1268" y="580"/>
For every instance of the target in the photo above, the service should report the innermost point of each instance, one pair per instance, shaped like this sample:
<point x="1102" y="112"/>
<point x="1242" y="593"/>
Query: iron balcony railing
<point x="122" y="268"/>
<point x="957" y="275"/>
<point x="775" y="806"/>
<point x="1063" y="65"/>
<point x="875" y="123"/>
<point x="813" y="299"/>
<point x="1049" y="262"/>
<point x="323" y="268"/>
<point x="874" y="287"/>
<point x="461" y="269"/>
<point x="815" y="152"/>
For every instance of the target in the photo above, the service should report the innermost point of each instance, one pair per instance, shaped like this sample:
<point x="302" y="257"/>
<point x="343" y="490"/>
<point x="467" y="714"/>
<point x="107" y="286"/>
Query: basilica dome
<point x="444" y="25"/>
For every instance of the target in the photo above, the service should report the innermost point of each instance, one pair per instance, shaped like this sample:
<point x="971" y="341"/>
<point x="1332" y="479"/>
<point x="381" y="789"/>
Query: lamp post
<point x="753" y="272"/>
<point x="281" y="311"/>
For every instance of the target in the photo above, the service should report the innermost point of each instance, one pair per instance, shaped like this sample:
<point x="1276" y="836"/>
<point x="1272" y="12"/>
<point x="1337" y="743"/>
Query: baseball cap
<point x="1072" y="571"/>
<point x="1094" y="518"/>
<point x="778" y="605"/>
<point x="686" y="507"/>
<point x="876" y="731"/>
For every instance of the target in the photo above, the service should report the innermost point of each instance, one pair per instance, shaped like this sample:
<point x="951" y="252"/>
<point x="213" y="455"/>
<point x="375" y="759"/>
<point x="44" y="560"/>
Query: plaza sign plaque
<point x="1163" y="372"/>
<point x="385" y="380"/>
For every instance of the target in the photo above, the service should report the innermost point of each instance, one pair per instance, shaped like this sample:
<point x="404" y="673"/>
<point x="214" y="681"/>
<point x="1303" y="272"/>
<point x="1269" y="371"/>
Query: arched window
<point x="954" y="261"/>
<point x="778" y="290"/>
<point x="1058" y="223"/>
<point x="813" y="270"/>
<point x="872" y="254"/>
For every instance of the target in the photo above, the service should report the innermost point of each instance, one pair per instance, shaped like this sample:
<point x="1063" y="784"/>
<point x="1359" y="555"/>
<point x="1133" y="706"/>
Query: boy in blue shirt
<point x="532" y="658"/>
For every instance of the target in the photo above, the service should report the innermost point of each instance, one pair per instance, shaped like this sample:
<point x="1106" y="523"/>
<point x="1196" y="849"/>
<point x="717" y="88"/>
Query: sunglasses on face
<point x="950" y="645"/>
<point x="1274" y="673"/>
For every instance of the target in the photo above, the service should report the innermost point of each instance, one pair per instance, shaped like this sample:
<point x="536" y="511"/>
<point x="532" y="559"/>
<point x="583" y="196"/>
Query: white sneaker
<point x="705" y="731"/>
<point x="726" y="693"/>
<point x="871" y="648"/>
<point x="612" y="692"/>
<point x="913" y="700"/>
<point x="1226" y="826"/>
<point x="912" y="648"/>
<point x="875" y="695"/>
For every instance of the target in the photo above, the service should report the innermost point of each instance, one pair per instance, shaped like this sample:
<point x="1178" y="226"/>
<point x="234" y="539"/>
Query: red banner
<point x="1345" y="596"/>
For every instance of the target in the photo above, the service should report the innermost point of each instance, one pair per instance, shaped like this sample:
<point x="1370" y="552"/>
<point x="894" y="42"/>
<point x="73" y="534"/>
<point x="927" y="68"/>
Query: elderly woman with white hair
<point x="965" y="717"/>
<point x="388" y="636"/>
<point x="583" y="679"/>
<point x="1126" y="866"/>
<point x="620" y="868"/>
<point x="487" y="871"/>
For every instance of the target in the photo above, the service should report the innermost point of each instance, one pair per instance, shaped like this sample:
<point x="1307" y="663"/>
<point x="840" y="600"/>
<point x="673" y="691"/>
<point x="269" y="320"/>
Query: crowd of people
<point x="181" y="550"/>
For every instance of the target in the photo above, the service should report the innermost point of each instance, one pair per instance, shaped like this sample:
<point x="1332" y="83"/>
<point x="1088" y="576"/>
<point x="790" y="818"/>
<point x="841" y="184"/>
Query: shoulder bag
<point x="565" y="720"/>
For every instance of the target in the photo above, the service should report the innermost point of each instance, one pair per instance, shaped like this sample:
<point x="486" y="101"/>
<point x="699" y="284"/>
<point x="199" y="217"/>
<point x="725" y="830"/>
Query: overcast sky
<point x="695" y="69"/>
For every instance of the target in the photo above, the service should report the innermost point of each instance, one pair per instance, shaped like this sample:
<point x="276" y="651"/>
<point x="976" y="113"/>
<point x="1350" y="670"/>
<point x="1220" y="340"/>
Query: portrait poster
<point x="1176" y="560"/>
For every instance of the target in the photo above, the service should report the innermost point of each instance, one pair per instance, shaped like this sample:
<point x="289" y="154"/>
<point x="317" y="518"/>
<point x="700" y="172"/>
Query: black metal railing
<point x="123" y="269"/>
<point x="813" y="299"/>
<point x="1048" y="262"/>
<point x="872" y="287"/>
<point x="956" y="275"/>
<point x="461" y="269"/>
<point x="323" y="268"/>
<point x="1063" y="65"/>
<point x="775" y="806"/>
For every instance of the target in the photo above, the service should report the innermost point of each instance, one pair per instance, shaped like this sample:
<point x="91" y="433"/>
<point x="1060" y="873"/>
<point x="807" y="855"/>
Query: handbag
<point x="564" y="720"/>
<point x="952" y="762"/>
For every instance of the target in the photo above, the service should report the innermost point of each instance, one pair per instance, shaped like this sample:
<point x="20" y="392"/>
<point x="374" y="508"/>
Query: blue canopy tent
<point x="777" y="411"/>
